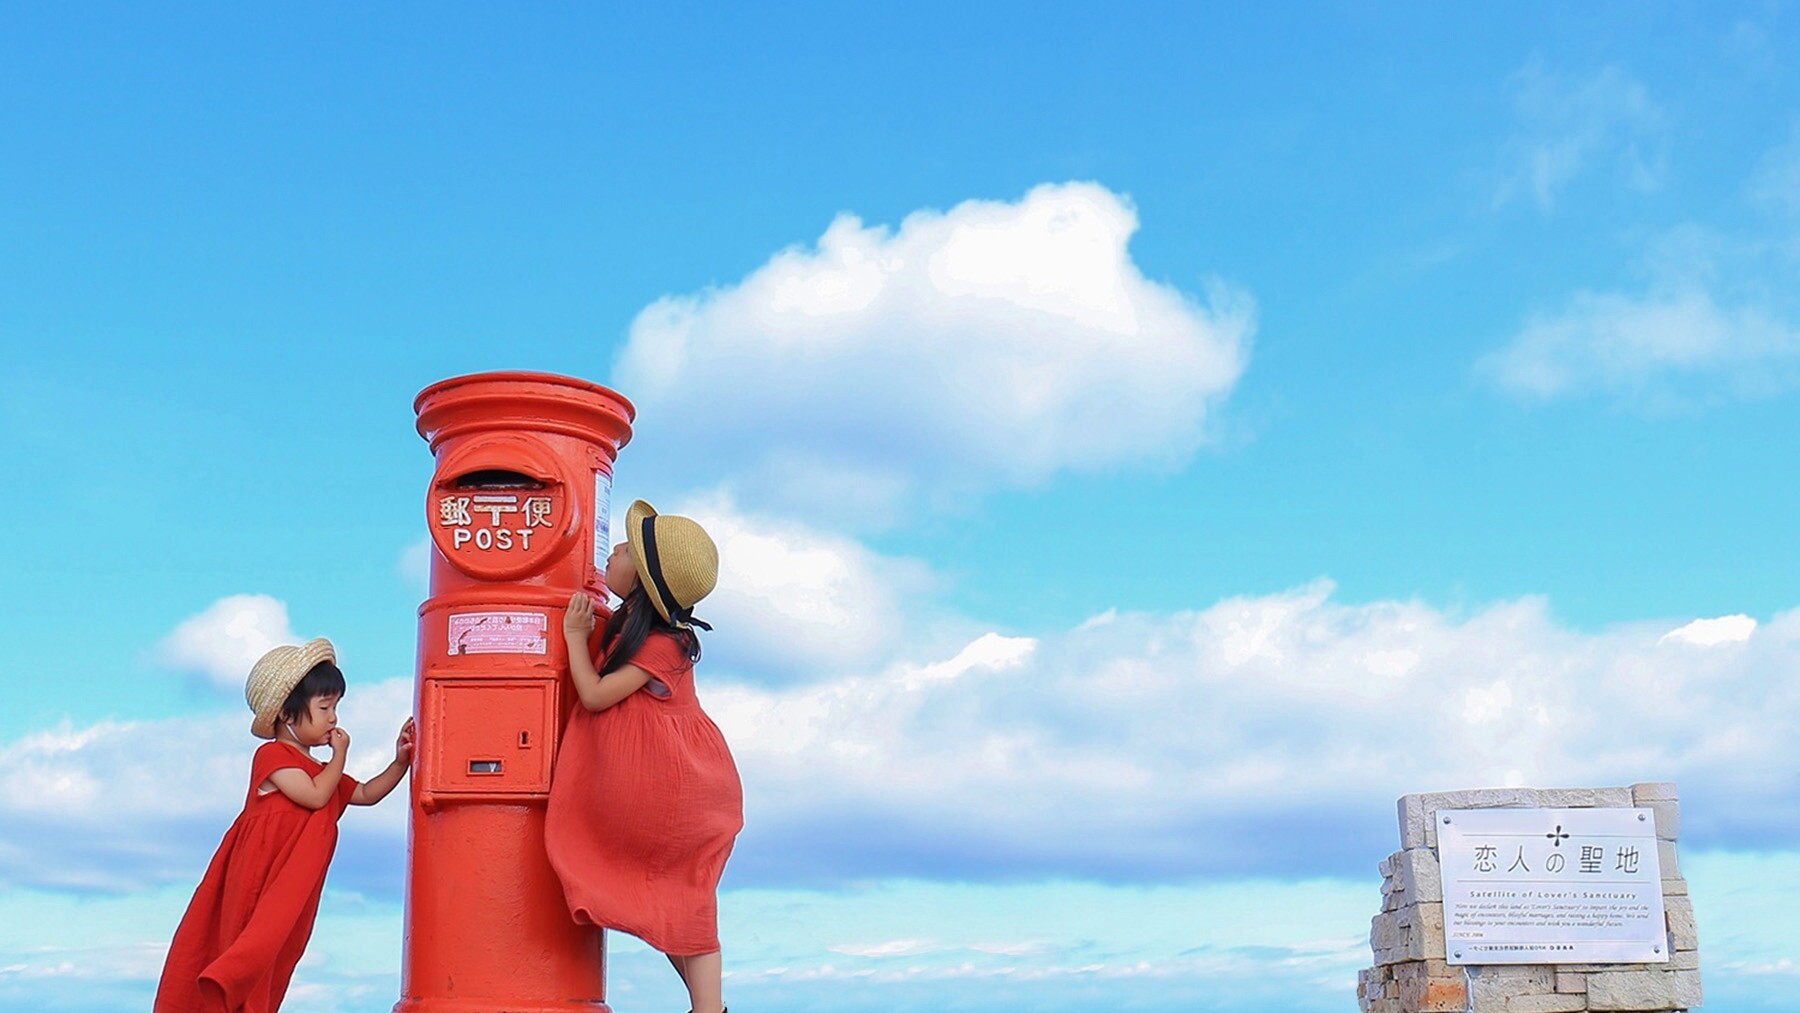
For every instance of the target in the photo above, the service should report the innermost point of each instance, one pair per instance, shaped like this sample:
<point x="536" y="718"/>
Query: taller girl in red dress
<point x="645" y="801"/>
<point x="250" y="919"/>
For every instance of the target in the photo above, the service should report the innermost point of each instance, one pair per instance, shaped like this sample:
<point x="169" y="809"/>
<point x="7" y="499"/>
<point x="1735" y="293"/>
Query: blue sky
<point x="1114" y="420"/>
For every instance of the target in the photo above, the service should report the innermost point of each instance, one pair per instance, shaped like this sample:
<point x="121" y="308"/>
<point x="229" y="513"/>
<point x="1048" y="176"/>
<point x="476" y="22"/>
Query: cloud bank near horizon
<point x="1260" y="735"/>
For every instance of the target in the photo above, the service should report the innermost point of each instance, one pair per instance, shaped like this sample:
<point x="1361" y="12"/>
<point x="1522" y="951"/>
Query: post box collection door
<point x="505" y="729"/>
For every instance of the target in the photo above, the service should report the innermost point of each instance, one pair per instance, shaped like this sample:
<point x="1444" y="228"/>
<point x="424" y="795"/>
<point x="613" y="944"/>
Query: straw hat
<point x="677" y="562"/>
<point x="275" y="675"/>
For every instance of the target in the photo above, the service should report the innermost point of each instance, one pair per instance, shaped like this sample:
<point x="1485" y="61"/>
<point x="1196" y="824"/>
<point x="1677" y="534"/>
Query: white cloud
<point x="795" y="604"/>
<point x="1260" y="733"/>
<point x="988" y="346"/>
<point x="1265" y="734"/>
<point x="118" y="805"/>
<point x="892" y="948"/>
<point x="1712" y="318"/>
<point x="1568" y="125"/>
<point x="1667" y="345"/>
<point x="1713" y="632"/>
<point x="222" y="642"/>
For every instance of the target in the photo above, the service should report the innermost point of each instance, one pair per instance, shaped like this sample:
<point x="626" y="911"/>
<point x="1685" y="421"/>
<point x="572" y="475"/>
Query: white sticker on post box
<point x="499" y="633"/>
<point x="602" y="519"/>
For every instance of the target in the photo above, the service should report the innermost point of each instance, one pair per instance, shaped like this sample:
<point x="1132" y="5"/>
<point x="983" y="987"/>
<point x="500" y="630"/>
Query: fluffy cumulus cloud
<point x="126" y="805"/>
<point x="1261" y="734"/>
<point x="796" y="604"/>
<point x="990" y="345"/>
<point x="1569" y="124"/>
<point x="1712" y="632"/>
<point x="1264" y="734"/>
<point x="222" y="642"/>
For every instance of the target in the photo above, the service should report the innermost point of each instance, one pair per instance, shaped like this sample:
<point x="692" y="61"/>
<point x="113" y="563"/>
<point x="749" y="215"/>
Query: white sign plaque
<point x="1551" y="886"/>
<point x="602" y="518"/>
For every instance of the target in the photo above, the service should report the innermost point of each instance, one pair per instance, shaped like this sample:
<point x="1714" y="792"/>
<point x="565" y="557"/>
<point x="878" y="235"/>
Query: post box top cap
<point x="275" y="675"/>
<point x="482" y="402"/>
<point x="677" y="562"/>
<point x="522" y="376"/>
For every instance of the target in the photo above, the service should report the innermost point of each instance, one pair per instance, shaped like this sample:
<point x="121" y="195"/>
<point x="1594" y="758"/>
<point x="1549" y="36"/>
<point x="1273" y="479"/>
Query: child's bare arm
<point x="314" y="792"/>
<point x="376" y="788"/>
<point x="596" y="694"/>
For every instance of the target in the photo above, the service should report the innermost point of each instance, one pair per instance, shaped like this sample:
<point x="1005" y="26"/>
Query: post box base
<point x="487" y="928"/>
<point x="420" y="1004"/>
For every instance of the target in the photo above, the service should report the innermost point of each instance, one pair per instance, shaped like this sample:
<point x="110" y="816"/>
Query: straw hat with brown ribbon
<point x="275" y="675"/>
<point x="677" y="562"/>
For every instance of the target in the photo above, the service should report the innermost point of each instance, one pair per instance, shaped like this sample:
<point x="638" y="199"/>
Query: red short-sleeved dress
<point x="645" y="804"/>
<point x="249" y="921"/>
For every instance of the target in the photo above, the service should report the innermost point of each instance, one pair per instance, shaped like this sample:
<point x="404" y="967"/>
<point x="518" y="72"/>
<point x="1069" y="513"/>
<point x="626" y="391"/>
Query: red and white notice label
<point x="499" y="633"/>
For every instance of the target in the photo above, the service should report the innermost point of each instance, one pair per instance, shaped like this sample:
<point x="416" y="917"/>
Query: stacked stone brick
<point x="1410" y="974"/>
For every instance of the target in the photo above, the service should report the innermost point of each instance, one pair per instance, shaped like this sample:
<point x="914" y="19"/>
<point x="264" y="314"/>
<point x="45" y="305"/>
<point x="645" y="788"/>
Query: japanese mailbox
<point x="517" y="512"/>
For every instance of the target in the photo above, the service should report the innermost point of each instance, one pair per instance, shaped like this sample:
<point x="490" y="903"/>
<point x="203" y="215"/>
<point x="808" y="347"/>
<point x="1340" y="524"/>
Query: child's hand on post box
<point x="578" y="618"/>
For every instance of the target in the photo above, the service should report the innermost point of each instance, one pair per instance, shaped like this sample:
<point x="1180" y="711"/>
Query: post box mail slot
<point x="493" y="737"/>
<point x="501" y="507"/>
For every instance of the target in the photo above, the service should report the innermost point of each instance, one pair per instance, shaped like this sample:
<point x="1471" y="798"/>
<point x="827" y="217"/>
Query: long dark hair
<point x="629" y="626"/>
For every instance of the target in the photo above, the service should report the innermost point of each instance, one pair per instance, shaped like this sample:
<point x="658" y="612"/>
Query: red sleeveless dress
<point x="249" y="921"/>
<point x="645" y="805"/>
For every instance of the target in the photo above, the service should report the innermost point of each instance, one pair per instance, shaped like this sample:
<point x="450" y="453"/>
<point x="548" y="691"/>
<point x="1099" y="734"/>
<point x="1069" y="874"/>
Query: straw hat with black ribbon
<point x="677" y="562"/>
<point x="275" y="675"/>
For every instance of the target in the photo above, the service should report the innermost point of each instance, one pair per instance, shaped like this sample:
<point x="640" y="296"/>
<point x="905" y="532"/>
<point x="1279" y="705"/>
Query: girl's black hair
<point x="628" y="627"/>
<point x="323" y="679"/>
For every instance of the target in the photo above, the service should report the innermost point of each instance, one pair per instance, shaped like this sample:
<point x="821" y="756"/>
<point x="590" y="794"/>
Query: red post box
<point x="517" y="511"/>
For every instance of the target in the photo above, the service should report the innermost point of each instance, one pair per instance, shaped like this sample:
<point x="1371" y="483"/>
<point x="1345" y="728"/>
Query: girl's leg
<point x="680" y="964"/>
<point x="703" y="973"/>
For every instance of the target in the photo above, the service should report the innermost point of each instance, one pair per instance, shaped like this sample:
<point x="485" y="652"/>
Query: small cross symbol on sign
<point x="1558" y="837"/>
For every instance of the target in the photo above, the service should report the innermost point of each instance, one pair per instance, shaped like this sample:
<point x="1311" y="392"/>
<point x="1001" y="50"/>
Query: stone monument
<point x="1587" y="906"/>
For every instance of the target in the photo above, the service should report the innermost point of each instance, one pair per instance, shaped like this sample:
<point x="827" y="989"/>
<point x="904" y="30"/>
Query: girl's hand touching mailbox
<point x="403" y="746"/>
<point x="578" y="618"/>
<point x="376" y="788"/>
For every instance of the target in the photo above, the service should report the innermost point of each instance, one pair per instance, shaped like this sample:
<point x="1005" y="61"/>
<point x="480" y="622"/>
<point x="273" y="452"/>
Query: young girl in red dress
<point x="249" y="920"/>
<point x="645" y="801"/>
